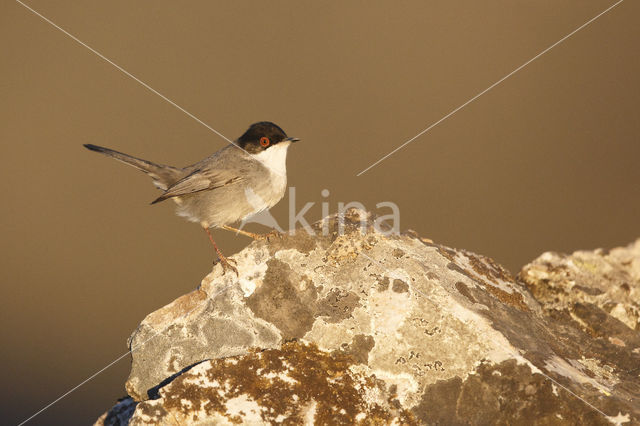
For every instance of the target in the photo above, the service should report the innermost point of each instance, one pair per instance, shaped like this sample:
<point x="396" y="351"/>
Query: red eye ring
<point x="264" y="141"/>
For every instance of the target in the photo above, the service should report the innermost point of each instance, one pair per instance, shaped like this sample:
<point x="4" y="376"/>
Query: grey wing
<point x="198" y="181"/>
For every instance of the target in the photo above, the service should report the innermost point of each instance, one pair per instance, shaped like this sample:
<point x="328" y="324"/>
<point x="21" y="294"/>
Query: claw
<point x="226" y="264"/>
<point x="269" y="236"/>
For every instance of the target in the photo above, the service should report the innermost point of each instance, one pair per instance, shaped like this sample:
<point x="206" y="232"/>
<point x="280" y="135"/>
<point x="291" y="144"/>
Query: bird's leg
<point x="226" y="263"/>
<point x="259" y="237"/>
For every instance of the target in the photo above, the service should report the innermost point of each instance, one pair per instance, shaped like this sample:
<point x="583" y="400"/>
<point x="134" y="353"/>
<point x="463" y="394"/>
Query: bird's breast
<point x="275" y="159"/>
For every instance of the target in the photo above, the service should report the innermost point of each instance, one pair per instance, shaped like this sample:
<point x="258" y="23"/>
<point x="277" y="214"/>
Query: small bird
<point x="238" y="181"/>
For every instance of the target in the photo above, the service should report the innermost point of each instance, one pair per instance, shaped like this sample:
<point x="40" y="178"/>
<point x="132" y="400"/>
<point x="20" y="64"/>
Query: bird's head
<point x="263" y="136"/>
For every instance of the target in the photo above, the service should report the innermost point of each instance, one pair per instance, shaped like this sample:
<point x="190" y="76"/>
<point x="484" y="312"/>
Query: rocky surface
<point x="356" y="327"/>
<point x="606" y="281"/>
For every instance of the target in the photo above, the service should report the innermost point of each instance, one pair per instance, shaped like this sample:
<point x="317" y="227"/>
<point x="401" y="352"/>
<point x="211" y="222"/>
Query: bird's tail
<point x="163" y="176"/>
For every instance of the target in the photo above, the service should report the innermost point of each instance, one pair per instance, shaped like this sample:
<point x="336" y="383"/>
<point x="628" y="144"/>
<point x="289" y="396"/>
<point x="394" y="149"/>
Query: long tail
<point x="163" y="176"/>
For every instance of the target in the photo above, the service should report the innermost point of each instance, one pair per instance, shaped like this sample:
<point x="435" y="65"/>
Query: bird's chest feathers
<point x="275" y="159"/>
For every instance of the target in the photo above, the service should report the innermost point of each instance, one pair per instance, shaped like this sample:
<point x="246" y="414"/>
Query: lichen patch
<point x="320" y="388"/>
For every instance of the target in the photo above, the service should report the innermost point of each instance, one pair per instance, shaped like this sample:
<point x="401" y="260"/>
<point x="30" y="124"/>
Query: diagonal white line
<point x="88" y="379"/>
<point x="490" y="87"/>
<point x="127" y="73"/>
<point x="74" y="388"/>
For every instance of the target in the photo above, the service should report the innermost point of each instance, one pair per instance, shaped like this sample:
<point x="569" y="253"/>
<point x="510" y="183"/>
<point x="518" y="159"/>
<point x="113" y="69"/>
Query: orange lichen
<point x="283" y="382"/>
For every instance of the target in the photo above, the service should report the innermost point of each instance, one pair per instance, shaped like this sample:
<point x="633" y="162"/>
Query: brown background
<point x="548" y="160"/>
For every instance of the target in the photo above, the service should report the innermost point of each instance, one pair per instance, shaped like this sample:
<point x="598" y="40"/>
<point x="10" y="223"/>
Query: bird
<point x="242" y="179"/>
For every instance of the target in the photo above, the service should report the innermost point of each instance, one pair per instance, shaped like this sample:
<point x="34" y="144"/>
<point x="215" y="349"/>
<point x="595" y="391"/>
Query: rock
<point x="599" y="281"/>
<point x="361" y="327"/>
<point x="119" y="414"/>
<point x="322" y="388"/>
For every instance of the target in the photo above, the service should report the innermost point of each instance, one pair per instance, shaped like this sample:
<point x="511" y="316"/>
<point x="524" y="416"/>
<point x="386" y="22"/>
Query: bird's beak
<point x="292" y="140"/>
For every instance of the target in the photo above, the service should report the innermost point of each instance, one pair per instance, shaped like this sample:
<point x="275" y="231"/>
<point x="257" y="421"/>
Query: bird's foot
<point x="227" y="264"/>
<point x="268" y="237"/>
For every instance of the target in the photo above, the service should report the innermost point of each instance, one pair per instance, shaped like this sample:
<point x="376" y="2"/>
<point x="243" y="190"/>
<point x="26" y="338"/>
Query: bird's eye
<point x="264" y="141"/>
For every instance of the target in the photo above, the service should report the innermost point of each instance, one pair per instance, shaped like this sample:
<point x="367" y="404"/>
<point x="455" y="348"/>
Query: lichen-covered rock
<point x="298" y="383"/>
<point x="608" y="281"/>
<point x="397" y="330"/>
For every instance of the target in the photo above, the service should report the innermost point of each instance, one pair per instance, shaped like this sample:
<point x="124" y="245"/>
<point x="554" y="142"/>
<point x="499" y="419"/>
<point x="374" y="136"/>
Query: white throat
<point x="275" y="158"/>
